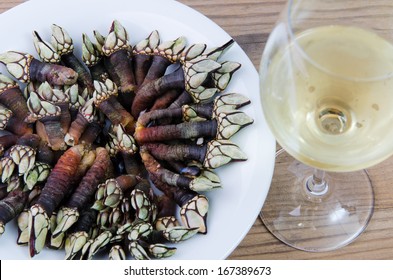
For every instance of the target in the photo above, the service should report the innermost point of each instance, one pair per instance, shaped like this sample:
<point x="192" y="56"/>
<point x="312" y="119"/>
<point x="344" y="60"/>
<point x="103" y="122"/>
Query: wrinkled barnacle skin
<point x="13" y="109"/>
<point x="85" y="115"/>
<point x="49" y="115"/>
<point x="25" y="68"/>
<point x="117" y="62"/>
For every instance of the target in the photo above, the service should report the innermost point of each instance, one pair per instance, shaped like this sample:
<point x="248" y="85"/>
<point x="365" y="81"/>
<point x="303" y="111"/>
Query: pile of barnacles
<point x="102" y="153"/>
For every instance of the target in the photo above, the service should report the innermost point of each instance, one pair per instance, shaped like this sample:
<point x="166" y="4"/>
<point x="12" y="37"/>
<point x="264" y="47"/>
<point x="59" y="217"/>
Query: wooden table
<point x="249" y="22"/>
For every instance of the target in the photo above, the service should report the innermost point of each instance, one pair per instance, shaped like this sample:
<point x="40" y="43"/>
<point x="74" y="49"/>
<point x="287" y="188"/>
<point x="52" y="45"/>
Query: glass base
<point x="316" y="222"/>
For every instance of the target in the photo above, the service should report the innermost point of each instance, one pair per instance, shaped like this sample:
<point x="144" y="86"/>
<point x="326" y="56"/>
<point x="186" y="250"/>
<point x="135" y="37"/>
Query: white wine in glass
<point x="327" y="93"/>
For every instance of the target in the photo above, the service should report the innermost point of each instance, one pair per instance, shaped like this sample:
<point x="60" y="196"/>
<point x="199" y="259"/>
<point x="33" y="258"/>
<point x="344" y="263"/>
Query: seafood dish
<point x="113" y="152"/>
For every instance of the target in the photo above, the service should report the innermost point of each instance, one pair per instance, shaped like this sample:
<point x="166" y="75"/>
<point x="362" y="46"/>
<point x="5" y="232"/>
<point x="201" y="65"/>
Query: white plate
<point x="234" y="208"/>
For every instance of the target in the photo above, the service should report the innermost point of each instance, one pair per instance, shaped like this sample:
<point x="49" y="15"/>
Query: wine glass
<point x="326" y="83"/>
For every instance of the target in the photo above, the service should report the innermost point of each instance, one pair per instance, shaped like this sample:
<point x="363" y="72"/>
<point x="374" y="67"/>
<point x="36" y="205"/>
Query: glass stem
<point x="316" y="184"/>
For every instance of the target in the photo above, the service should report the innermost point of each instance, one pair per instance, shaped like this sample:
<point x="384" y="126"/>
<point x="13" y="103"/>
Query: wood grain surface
<point x="249" y="22"/>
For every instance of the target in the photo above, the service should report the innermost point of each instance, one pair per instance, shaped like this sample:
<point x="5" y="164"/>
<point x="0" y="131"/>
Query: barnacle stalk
<point x="157" y="69"/>
<point x="5" y="115"/>
<point x="58" y="98"/>
<point x="63" y="44"/>
<point x="118" y="63"/>
<point x="105" y="100"/>
<point x="194" y="206"/>
<point x="207" y="180"/>
<point x="212" y="154"/>
<point x="145" y="50"/>
<point x="93" y="168"/>
<point x="15" y="109"/>
<point x="45" y="154"/>
<point x="79" y="235"/>
<point x="3" y="191"/>
<point x="190" y="77"/>
<point x="92" y="57"/>
<point x="163" y="53"/>
<point x="92" y="132"/>
<point x="84" y="192"/>
<point x="223" y="126"/>
<point x="48" y="115"/>
<point x="11" y="206"/>
<point x="30" y="140"/>
<point x="85" y="202"/>
<point x="225" y="103"/>
<point x="190" y="169"/>
<point x="166" y="217"/>
<point x="142" y="56"/>
<point x="165" y="100"/>
<point x="126" y="146"/>
<point x="85" y="116"/>
<point x="182" y="99"/>
<point x="25" y="68"/>
<point x="7" y="139"/>
<point x="56" y="188"/>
